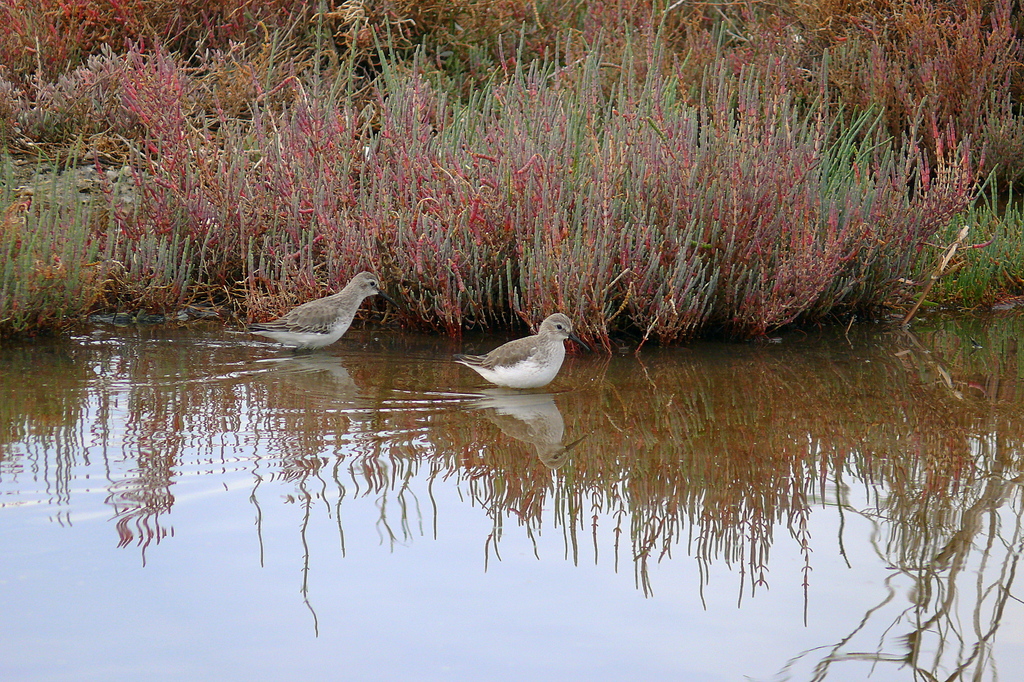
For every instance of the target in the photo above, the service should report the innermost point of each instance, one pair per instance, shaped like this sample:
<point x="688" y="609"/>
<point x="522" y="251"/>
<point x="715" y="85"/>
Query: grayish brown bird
<point x="321" y="322"/>
<point x="530" y="362"/>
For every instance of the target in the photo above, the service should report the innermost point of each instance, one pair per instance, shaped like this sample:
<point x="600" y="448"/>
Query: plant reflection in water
<point x="713" y="448"/>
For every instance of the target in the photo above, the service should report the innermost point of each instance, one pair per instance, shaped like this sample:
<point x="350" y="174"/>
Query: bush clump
<point x="659" y="171"/>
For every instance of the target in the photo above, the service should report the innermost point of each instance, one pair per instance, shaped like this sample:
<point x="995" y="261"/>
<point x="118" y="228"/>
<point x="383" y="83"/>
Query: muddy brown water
<point x="189" y="503"/>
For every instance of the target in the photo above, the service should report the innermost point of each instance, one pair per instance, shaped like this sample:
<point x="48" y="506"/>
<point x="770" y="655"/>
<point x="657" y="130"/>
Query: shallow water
<point x="195" y="504"/>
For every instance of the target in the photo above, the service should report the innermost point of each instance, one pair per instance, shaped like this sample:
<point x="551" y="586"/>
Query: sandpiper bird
<point x="529" y="362"/>
<point x="321" y="322"/>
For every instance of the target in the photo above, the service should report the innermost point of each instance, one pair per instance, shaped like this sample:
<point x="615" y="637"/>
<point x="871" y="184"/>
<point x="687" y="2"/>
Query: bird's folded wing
<point x="307" y="318"/>
<point x="511" y="353"/>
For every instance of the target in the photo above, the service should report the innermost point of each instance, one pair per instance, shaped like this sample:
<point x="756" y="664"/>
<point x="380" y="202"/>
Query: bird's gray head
<point x="367" y="284"/>
<point x="557" y="324"/>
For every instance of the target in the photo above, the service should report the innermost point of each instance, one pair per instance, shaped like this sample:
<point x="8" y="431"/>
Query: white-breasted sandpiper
<point x="530" y="362"/>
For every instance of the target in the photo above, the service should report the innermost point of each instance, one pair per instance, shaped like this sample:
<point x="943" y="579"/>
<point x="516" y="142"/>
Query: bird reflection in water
<point x="324" y="374"/>
<point x="532" y="418"/>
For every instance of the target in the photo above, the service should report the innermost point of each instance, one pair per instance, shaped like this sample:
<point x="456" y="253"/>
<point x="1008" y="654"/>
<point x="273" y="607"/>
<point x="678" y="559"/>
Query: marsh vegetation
<point x="658" y="171"/>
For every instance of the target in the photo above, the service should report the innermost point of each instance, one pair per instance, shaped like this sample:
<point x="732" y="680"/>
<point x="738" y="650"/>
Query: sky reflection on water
<point x="181" y="504"/>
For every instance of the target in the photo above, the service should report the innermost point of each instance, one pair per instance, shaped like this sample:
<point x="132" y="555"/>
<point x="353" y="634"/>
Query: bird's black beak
<point x="576" y="339"/>
<point x="389" y="299"/>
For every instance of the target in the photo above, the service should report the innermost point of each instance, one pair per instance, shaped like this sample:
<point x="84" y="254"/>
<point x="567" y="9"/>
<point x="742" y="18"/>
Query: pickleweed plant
<point x="51" y="269"/>
<point x="624" y="195"/>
